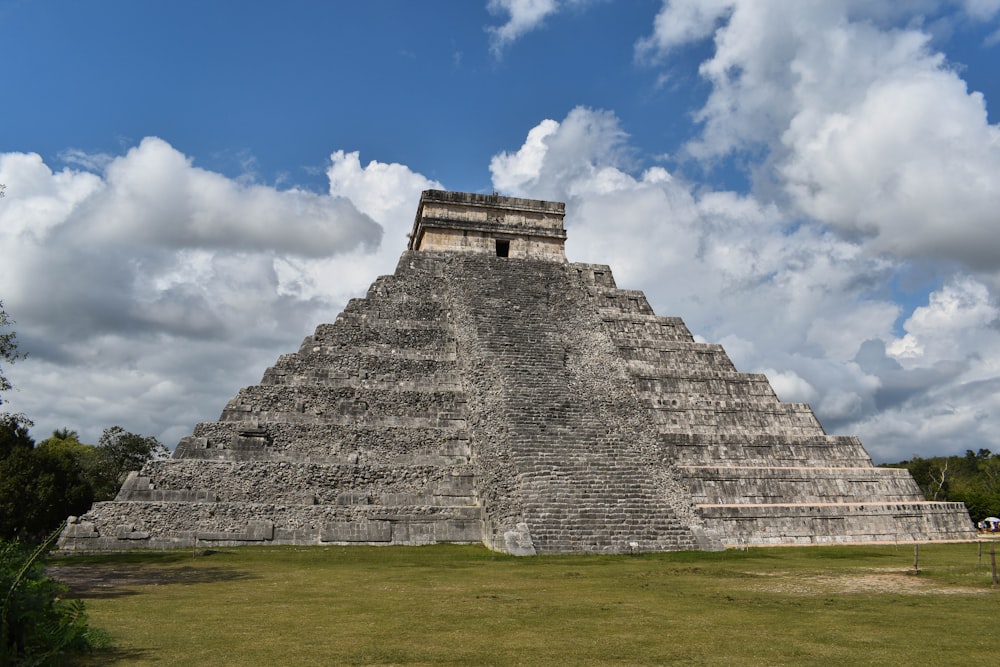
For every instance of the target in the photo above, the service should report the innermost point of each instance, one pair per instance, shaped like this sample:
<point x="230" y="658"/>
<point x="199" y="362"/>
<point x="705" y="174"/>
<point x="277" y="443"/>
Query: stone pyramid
<point x="490" y="391"/>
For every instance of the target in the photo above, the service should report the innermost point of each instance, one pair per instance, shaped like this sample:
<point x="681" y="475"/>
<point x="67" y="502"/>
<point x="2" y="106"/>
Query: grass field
<point x="462" y="605"/>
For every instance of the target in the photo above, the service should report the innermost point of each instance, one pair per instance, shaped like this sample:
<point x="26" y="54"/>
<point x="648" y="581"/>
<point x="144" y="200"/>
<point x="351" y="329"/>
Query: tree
<point x="939" y="476"/>
<point x="8" y="354"/>
<point x="8" y="348"/>
<point x="13" y="436"/>
<point x="41" y="486"/>
<point x="118" y="453"/>
<point x="973" y="479"/>
<point x="66" y="444"/>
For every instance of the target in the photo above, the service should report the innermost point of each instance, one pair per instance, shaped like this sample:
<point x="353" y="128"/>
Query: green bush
<point x="38" y="626"/>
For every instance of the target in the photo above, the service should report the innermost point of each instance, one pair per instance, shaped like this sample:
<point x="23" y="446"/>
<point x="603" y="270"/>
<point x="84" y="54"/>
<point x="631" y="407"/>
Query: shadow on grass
<point x="113" y="656"/>
<point x="93" y="577"/>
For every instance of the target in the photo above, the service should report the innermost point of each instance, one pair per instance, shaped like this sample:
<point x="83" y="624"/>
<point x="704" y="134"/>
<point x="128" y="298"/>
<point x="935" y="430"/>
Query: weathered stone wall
<point x="842" y="523"/>
<point x="756" y="485"/>
<point x="470" y="223"/>
<point x="761" y="450"/>
<point x="484" y="243"/>
<point x="472" y="210"/>
<point x="294" y="483"/>
<point x="331" y="443"/>
<point x="161" y="525"/>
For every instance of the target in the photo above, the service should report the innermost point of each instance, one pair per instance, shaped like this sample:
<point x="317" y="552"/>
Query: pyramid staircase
<point x="570" y="445"/>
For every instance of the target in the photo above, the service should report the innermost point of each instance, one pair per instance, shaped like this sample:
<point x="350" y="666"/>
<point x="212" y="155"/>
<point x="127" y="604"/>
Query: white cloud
<point x="870" y="132"/>
<point x="516" y="171"/>
<point x="141" y="290"/>
<point x="524" y="16"/>
<point x="384" y="191"/>
<point x="583" y="151"/>
<point x="681" y="22"/>
<point x="790" y="387"/>
<point x="155" y="196"/>
<point x="388" y="193"/>
<point x="960" y="321"/>
<point x="982" y="10"/>
<point x="866" y="127"/>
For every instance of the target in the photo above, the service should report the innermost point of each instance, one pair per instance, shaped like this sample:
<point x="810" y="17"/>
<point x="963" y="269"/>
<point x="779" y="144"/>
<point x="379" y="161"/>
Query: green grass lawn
<point x="462" y="605"/>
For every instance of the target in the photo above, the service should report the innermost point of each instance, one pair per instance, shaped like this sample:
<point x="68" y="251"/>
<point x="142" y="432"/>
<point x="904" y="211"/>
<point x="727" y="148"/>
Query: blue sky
<point x="407" y="82"/>
<point x="193" y="187"/>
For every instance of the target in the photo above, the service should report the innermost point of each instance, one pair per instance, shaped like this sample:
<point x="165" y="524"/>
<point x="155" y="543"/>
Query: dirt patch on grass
<point x="109" y="580"/>
<point x="901" y="582"/>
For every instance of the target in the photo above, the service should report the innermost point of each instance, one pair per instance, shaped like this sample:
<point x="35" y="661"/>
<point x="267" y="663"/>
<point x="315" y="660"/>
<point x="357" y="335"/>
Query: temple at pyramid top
<point x="489" y="225"/>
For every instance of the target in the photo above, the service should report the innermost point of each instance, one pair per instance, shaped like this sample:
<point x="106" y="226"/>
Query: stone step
<point x="762" y="485"/>
<point x="326" y="401"/>
<point x="734" y="415"/>
<point x="330" y="338"/>
<point x="763" y="449"/>
<point x="835" y="523"/>
<point x="326" y="443"/>
<point x="303" y="483"/>
<point x="628" y="301"/>
<point x="679" y="356"/>
<point x="313" y="367"/>
<point x="704" y="385"/>
<point x="448" y="381"/>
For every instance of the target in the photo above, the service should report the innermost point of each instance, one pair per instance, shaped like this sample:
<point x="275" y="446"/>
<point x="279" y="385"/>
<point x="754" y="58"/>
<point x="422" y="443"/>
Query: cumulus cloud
<point x="386" y="193"/>
<point x="982" y="10"/>
<point x="960" y="320"/>
<point x="523" y="16"/>
<point x="783" y="294"/>
<point x="154" y="196"/>
<point x="558" y="157"/>
<point x="865" y="127"/>
<point x="154" y="240"/>
<point x="147" y="290"/>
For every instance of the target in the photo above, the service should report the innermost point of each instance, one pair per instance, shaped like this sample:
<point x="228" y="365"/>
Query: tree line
<point x="973" y="479"/>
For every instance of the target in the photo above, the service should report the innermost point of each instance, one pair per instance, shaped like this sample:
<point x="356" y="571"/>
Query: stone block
<point x="362" y="531"/>
<point x="518" y="542"/>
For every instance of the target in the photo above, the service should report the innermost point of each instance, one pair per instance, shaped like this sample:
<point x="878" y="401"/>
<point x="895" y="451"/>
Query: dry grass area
<point x="895" y="582"/>
<point x="462" y="605"/>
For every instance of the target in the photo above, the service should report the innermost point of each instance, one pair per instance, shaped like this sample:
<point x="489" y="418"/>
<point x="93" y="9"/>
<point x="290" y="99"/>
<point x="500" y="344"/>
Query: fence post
<point x="993" y="562"/>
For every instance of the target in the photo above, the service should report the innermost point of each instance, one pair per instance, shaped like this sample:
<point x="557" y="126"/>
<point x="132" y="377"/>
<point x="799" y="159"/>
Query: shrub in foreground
<point x="37" y="626"/>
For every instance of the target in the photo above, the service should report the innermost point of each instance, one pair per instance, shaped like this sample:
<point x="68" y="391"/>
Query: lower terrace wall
<point x="114" y="526"/>
<point x="307" y="483"/>
<point x="893" y="523"/>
